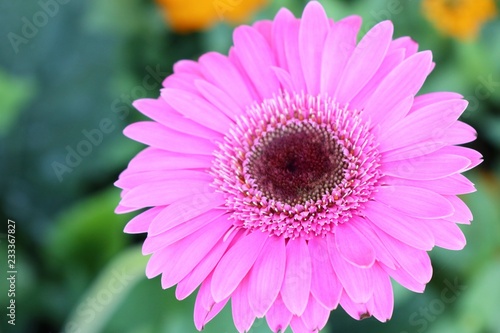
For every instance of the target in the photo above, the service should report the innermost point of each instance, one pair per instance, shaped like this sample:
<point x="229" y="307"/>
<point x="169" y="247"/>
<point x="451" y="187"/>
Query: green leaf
<point x="107" y="293"/>
<point x="15" y="93"/>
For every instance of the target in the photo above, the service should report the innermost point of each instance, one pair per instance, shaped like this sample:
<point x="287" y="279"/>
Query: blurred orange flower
<point x="459" y="18"/>
<point x="193" y="15"/>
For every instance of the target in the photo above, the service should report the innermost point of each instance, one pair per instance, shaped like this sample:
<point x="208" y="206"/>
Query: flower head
<point x="459" y="18"/>
<point x="193" y="15"/>
<point x="299" y="173"/>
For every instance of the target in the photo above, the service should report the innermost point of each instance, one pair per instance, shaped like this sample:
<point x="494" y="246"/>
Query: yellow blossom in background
<point x="193" y="15"/>
<point x="459" y="18"/>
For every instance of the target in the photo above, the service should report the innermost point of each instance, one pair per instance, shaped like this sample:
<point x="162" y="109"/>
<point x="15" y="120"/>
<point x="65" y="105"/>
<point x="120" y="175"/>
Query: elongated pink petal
<point x="205" y="267"/>
<point x="297" y="324"/>
<point x="462" y="213"/>
<point x="249" y="42"/>
<point x="433" y="166"/>
<point x="223" y="73"/>
<point x="159" y="241"/>
<point x="314" y="27"/>
<point x="158" y="136"/>
<point x="446" y="234"/>
<point x="339" y="45"/>
<point x="383" y="297"/>
<point x="205" y="308"/>
<point x="185" y="209"/>
<point x="451" y="185"/>
<point x="399" y="226"/>
<point x="354" y="246"/>
<point x="424" y="100"/>
<point x="315" y="316"/>
<point x="141" y="222"/>
<point x="325" y="286"/>
<point x="236" y="263"/>
<point x="129" y="181"/>
<point x="242" y="313"/>
<point x="414" y="201"/>
<point x="414" y="261"/>
<point x="266" y="277"/>
<point x="364" y="61"/>
<point x="219" y="98"/>
<point x="167" y="161"/>
<point x="163" y="192"/>
<point x="195" y="107"/>
<point x="297" y="281"/>
<point x="396" y="86"/>
<point x="357" y="282"/>
<point x="402" y="277"/>
<point x="160" y="111"/>
<point x="356" y="310"/>
<point x="279" y="31"/>
<point x="278" y="317"/>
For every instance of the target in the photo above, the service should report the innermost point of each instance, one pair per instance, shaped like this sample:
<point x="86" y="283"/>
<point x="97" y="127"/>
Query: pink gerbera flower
<point x="299" y="173"/>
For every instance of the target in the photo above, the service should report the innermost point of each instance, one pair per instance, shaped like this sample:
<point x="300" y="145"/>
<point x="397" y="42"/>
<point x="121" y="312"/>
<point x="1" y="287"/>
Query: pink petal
<point x="158" y="136"/>
<point x="284" y="78"/>
<point x="446" y="234"/>
<point x="248" y="42"/>
<point x="356" y="310"/>
<point x="187" y="66"/>
<point x="412" y="151"/>
<point x="195" y="107"/>
<point x="403" y="228"/>
<point x="414" y="261"/>
<point x="383" y="297"/>
<point x="414" y="201"/>
<point x="223" y="73"/>
<point x="381" y="253"/>
<point x="242" y="313"/>
<point x="141" y="222"/>
<point x="451" y="185"/>
<point x="177" y="260"/>
<point x="236" y="263"/>
<point x="160" y="111"/>
<point x="279" y="32"/>
<point x="402" y="277"/>
<point x="314" y="27"/>
<point x="184" y="210"/>
<point x="459" y="133"/>
<point x="357" y="281"/>
<point x="191" y="281"/>
<point x="315" y="316"/>
<point x="462" y="213"/>
<point x="405" y="43"/>
<point x="364" y="61"/>
<point x="298" y="326"/>
<point x="396" y="87"/>
<point x="433" y="98"/>
<point x="219" y="99"/>
<point x="297" y="281"/>
<point x="427" y="123"/>
<point x="325" y="286"/>
<point x="391" y="61"/>
<point x="339" y="45"/>
<point x="292" y="52"/>
<point x="428" y="167"/>
<point x="131" y="180"/>
<point x="157" y="242"/>
<point x="163" y="192"/>
<point x="472" y="155"/>
<point x="265" y="28"/>
<point x="354" y="246"/>
<point x="266" y="276"/>
<point x="278" y="317"/>
<point x="167" y="161"/>
<point x="205" y="308"/>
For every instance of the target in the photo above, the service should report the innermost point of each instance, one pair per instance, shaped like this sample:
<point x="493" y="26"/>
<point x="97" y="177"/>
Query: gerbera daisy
<point x="193" y="15"/>
<point x="459" y="18"/>
<point x="299" y="173"/>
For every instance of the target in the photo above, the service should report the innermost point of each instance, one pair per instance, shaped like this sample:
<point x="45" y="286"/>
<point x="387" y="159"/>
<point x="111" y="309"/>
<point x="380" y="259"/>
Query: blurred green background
<point x="77" y="271"/>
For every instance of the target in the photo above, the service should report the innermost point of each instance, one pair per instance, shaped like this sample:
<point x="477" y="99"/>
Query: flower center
<point x="296" y="163"/>
<point x="296" y="166"/>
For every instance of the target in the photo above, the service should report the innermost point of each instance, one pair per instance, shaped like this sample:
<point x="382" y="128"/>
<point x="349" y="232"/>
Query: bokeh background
<point x="75" y="70"/>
